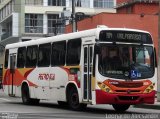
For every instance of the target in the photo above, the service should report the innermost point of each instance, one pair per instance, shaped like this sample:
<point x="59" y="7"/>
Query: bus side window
<point x="73" y="52"/>
<point x="31" y="56"/>
<point x="6" y="59"/>
<point x="58" y="53"/>
<point x="44" y="55"/>
<point x="21" y="58"/>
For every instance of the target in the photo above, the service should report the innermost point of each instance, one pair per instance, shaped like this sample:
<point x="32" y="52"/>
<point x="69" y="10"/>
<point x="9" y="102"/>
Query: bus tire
<point x="25" y="95"/>
<point x="73" y="101"/>
<point x="120" y="107"/>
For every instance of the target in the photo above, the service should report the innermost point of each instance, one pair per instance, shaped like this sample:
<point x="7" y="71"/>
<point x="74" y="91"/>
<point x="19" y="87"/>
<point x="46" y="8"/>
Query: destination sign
<point x="125" y="36"/>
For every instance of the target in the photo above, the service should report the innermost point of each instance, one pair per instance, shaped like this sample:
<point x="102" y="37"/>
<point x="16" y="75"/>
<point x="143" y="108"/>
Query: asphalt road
<point x="12" y="108"/>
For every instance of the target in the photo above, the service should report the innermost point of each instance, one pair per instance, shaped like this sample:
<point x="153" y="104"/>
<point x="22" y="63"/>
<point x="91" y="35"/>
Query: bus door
<point x="12" y="62"/>
<point x="87" y="72"/>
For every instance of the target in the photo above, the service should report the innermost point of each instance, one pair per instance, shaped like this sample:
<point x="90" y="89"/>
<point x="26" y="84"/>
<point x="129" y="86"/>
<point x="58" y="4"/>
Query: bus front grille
<point x="131" y="91"/>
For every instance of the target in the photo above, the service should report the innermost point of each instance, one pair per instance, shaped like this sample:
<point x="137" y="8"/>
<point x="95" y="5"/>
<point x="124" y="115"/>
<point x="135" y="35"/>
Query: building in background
<point x="22" y="20"/>
<point x="135" y="21"/>
<point x="136" y="14"/>
<point x="137" y="6"/>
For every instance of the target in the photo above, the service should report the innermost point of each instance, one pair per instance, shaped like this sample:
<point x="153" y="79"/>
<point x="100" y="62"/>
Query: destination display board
<point x="125" y="36"/>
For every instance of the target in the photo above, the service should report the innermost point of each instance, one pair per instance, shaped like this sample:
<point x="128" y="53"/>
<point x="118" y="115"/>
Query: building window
<point x="31" y="57"/>
<point x="7" y="10"/>
<point x="34" y="2"/>
<point x="21" y="58"/>
<point x="1" y="1"/>
<point x="73" y="52"/>
<point x="103" y="3"/>
<point x="44" y="55"/>
<point x="80" y="3"/>
<point x="55" y="24"/>
<point x="33" y="23"/>
<point x="58" y="53"/>
<point x="56" y="2"/>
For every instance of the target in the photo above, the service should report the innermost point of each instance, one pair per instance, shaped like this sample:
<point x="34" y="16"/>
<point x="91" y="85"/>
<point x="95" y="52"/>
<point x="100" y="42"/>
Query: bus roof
<point x="80" y="34"/>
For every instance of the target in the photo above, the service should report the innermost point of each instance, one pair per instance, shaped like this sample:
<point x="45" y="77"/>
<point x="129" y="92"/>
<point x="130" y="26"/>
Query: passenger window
<point x="44" y="55"/>
<point x="21" y="58"/>
<point x="31" y="58"/>
<point x="58" y="53"/>
<point x="73" y="52"/>
<point x="6" y="59"/>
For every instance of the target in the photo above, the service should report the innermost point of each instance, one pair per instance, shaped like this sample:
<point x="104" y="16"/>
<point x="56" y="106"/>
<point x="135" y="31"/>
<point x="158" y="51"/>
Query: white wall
<point x="91" y="4"/>
<point x="45" y="30"/>
<point x="15" y="24"/>
<point x="45" y="2"/>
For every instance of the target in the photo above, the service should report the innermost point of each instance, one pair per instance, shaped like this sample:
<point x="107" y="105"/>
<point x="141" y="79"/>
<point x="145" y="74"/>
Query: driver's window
<point x="140" y="56"/>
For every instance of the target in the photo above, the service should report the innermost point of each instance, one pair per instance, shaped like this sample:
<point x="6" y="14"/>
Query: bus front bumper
<point x="109" y="98"/>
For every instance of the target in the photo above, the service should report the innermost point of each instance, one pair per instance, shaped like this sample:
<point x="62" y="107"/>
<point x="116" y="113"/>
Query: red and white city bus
<point x="114" y="66"/>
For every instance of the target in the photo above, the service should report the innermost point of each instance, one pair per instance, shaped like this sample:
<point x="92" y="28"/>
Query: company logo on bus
<point x="46" y="76"/>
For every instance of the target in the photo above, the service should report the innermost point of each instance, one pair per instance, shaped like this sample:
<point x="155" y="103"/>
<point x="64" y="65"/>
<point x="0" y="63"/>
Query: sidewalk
<point x="156" y="105"/>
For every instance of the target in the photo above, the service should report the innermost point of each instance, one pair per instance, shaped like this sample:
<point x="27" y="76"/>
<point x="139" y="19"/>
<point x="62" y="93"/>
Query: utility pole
<point x="158" y="80"/>
<point x="73" y="17"/>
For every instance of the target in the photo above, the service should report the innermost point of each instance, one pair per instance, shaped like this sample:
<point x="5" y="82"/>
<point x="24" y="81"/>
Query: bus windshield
<point x="126" y="61"/>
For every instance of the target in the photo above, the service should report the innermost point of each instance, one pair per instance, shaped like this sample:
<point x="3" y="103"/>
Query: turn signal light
<point x="104" y="87"/>
<point x="149" y="88"/>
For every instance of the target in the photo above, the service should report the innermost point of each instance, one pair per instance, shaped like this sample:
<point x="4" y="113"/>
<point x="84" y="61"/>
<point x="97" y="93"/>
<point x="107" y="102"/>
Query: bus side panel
<point x="58" y="83"/>
<point x="50" y="83"/>
<point x="18" y="91"/>
<point x="39" y="77"/>
<point x="21" y="77"/>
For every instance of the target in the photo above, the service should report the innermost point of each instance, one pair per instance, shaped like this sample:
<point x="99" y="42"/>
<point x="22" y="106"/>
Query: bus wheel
<point x="26" y="98"/>
<point x="74" y="101"/>
<point x="120" y="107"/>
<point x="25" y="95"/>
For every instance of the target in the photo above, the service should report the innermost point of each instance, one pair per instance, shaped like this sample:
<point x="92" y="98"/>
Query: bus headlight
<point x="149" y="88"/>
<point x="107" y="90"/>
<point x="104" y="87"/>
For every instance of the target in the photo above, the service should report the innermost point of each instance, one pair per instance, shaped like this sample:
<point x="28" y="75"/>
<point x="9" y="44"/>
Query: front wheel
<point x="120" y="107"/>
<point x="73" y="101"/>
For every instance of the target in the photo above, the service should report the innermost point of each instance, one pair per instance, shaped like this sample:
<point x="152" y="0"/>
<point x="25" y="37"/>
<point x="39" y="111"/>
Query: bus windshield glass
<point x="126" y="61"/>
